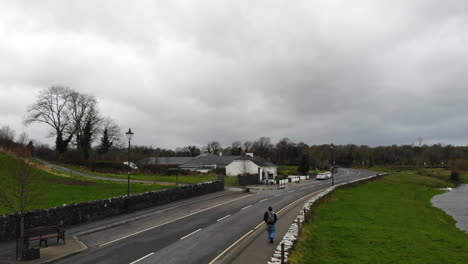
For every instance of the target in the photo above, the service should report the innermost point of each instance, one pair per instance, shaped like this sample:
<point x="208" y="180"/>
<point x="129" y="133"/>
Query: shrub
<point x="455" y="177"/>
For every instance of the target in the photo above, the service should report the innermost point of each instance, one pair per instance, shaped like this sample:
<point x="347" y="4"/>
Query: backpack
<point x="271" y="217"/>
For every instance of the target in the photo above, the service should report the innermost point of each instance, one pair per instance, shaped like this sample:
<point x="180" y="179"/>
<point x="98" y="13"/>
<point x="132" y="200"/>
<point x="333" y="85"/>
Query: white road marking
<point x="292" y="191"/>
<point x="168" y="222"/>
<point x="190" y="234"/>
<point x="142" y="258"/>
<point x="277" y="194"/>
<point x="246" y="207"/>
<point x="263" y="200"/>
<point x="222" y="218"/>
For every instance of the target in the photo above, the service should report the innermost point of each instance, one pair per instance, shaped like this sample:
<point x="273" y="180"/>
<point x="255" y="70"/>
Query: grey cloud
<point x="187" y="72"/>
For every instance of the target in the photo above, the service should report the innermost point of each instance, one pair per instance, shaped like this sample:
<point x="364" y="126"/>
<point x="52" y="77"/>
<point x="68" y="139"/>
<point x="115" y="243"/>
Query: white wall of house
<point x="239" y="167"/>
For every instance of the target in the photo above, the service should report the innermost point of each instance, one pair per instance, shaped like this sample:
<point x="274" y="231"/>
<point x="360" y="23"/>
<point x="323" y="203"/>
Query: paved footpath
<point x="455" y="203"/>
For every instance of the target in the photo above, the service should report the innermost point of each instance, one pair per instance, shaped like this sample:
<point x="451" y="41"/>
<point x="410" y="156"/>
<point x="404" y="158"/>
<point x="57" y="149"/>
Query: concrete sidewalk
<point x="255" y="248"/>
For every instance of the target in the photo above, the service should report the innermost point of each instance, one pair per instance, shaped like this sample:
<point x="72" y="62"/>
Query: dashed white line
<point x="222" y="218"/>
<point x="171" y="221"/>
<point x="142" y="258"/>
<point x="263" y="200"/>
<point x="184" y="237"/>
<point x="277" y="194"/>
<point x="292" y="191"/>
<point x="246" y="207"/>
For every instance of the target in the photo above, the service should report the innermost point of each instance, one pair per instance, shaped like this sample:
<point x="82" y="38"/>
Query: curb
<point x="292" y="234"/>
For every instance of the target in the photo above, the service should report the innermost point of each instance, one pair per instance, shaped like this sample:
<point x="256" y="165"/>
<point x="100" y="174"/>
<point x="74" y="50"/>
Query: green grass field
<point x="151" y="177"/>
<point x="56" y="190"/>
<point x="390" y="220"/>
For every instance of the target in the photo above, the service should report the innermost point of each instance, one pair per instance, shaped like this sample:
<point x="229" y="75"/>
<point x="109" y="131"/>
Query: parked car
<point x="323" y="176"/>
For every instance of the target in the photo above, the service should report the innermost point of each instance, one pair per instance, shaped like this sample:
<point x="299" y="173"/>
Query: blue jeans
<point x="271" y="231"/>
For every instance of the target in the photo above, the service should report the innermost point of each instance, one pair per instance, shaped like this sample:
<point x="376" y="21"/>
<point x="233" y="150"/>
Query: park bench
<point x="42" y="233"/>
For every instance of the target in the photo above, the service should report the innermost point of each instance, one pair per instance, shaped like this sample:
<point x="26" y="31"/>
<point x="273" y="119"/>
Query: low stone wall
<point x="293" y="232"/>
<point x="73" y="214"/>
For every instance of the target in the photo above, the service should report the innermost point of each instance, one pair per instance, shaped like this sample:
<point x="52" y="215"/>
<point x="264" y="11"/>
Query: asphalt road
<point x="198" y="233"/>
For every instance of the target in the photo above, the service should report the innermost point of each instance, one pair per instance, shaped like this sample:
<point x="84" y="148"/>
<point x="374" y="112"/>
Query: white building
<point x="249" y="164"/>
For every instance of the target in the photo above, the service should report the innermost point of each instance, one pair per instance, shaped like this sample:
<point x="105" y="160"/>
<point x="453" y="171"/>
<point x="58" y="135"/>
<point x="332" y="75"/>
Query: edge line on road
<point x="231" y="246"/>
<point x="142" y="258"/>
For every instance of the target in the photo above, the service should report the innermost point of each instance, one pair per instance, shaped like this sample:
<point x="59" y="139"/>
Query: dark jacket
<point x="265" y="217"/>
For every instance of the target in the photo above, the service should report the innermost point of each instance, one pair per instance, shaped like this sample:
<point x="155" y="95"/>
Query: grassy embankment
<point x="150" y="177"/>
<point x="390" y="220"/>
<point x="55" y="190"/>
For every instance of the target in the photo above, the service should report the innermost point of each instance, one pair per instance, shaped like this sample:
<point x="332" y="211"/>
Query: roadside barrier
<point x="83" y="212"/>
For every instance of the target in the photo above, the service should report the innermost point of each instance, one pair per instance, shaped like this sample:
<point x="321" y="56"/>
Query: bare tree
<point x="7" y="136"/>
<point x="23" y="139"/>
<point x="236" y="148"/>
<point x="88" y="132"/>
<point x="213" y="147"/>
<point x="111" y="135"/>
<point x="19" y="192"/>
<point x="263" y="147"/>
<point x="52" y="109"/>
<point x="85" y="120"/>
<point x="247" y="146"/>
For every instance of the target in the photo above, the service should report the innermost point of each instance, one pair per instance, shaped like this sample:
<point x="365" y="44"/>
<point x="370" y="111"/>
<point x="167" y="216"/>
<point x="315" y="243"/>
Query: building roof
<point x="209" y="159"/>
<point x="223" y="161"/>
<point x="166" y="160"/>
<point x="259" y="161"/>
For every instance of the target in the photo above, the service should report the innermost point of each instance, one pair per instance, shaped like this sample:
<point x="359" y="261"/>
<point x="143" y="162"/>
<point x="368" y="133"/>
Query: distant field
<point x="57" y="190"/>
<point x="386" y="221"/>
<point x="292" y="170"/>
<point x="151" y="177"/>
<point x="440" y="173"/>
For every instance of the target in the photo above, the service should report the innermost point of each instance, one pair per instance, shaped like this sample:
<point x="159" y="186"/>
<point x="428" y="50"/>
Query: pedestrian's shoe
<point x="271" y="240"/>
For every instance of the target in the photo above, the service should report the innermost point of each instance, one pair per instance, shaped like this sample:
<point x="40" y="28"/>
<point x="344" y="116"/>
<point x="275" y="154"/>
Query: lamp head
<point x="129" y="134"/>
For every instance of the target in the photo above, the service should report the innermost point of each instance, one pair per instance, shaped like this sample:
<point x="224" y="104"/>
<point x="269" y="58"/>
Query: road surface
<point x="196" y="233"/>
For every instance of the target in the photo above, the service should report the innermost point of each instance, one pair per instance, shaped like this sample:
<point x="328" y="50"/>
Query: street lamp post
<point x="129" y="135"/>
<point x="332" y="164"/>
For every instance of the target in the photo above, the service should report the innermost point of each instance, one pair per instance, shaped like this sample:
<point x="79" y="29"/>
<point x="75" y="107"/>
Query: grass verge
<point x="390" y="220"/>
<point x="54" y="190"/>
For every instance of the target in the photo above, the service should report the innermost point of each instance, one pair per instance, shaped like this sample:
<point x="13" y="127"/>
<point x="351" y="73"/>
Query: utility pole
<point x="332" y="164"/>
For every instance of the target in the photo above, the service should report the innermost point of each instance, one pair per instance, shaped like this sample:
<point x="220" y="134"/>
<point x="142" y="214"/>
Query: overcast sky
<point x="188" y="72"/>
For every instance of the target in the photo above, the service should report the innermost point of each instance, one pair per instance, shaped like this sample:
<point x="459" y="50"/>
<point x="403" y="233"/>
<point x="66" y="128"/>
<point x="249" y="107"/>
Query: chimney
<point x="249" y="154"/>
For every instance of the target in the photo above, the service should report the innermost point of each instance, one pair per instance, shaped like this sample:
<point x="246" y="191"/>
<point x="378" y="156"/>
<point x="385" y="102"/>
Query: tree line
<point x="82" y="134"/>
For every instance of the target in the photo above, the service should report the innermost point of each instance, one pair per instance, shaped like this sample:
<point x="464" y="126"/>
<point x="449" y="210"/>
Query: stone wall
<point x="78" y="213"/>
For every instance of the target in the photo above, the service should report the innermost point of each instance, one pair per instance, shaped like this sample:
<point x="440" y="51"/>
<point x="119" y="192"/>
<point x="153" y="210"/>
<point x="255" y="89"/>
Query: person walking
<point x="270" y="219"/>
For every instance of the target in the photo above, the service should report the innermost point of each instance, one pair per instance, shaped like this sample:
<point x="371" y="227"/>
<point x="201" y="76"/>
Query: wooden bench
<point x="42" y="233"/>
